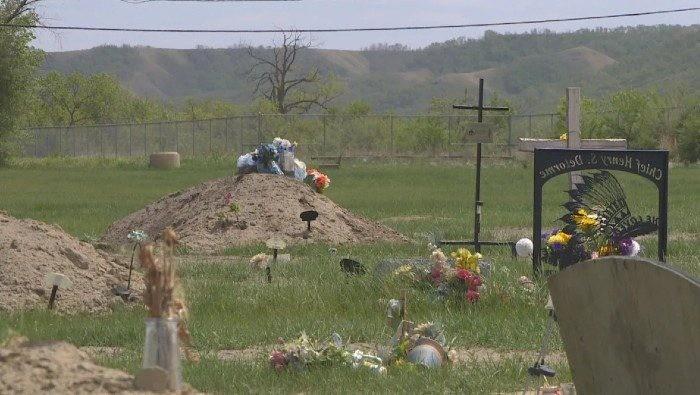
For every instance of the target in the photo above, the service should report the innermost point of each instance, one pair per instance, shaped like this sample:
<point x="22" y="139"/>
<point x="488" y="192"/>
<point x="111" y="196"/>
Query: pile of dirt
<point x="31" y="249"/>
<point x="56" y="368"/>
<point x="269" y="207"/>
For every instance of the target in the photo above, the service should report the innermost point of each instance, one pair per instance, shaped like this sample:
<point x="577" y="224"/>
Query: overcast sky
<point x="326" y="14"/>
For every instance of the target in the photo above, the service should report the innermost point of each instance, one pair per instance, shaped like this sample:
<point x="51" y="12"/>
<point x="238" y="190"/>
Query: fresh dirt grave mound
<point x="269" y="207"/>
<point x="59" y="368"/>
<point x="31" y="249"/>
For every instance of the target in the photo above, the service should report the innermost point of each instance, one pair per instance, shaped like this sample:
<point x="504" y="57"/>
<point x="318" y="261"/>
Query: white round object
<point x="524" y="247"/>
<point x="635" y="248"/>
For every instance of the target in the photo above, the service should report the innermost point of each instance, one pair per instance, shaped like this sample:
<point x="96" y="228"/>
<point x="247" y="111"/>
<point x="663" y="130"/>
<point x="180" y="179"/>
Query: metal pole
<point x="391" y="135"/>
<point x="60" y="142"/>
<point x="130" y="151"/>
<point x="116" y="141"/>
<point x="102" y="146"/>
<point x="510" y="131"/>
<point x="530" y="125"/>
<point x="449" y="136"/>
<point x="225" y="135"/>
<point x="36" y="140"/>
<point x="240" y="135"/>
<point x="477" y="201"/>
<point x="210" y="137"/>
<point x="75" y="144"/>
<point x="145" y="139"/>
<point x="259" y="128"/>
<point x="193" y="139"/>
<point x="177" y="137"/>
<point x="324" y="132"/>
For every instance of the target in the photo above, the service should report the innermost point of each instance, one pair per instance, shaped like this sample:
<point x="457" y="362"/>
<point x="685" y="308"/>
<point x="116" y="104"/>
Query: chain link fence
<point x="317" y="134"/>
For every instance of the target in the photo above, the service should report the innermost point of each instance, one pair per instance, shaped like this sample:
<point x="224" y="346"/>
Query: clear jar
<point x="162" y="349"/>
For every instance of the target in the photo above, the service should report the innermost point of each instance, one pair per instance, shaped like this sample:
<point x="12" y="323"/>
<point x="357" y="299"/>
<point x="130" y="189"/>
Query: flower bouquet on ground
<point x="461" y="277"/>
<point x="305" y="353"/>
<point x="319" y="181"/>
<point x="598" y="223"/>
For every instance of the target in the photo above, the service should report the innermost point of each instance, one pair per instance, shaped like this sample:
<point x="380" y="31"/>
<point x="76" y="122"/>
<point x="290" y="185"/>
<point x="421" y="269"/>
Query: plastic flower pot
<point x="162" y="349"/>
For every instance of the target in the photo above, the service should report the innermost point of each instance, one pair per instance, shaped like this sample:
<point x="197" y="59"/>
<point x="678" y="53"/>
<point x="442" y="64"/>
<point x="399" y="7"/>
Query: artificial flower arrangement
<point x="462" y="277"/>
<point x="273" y="158"/>
<point x="319" y="181"/>
<point x="598" y="223"/>
<point x="305" y="353"/>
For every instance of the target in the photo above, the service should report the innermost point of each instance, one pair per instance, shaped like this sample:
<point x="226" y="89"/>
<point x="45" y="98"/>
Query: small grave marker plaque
<point x="308" y="217"/>
<point x="475" y="132"/>
<point x="56" y="281"/>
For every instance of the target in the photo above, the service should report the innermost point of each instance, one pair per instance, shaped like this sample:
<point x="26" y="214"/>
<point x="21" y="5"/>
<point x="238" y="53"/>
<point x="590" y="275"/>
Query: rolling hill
<point x="530" y="69"/>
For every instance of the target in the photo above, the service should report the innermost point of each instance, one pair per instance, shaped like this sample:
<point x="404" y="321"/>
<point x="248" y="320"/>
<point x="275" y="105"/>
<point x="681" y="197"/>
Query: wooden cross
<point x="573" y="134"/>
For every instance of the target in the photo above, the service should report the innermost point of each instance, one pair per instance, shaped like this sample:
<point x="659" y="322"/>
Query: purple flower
<point x="626" y="246"/>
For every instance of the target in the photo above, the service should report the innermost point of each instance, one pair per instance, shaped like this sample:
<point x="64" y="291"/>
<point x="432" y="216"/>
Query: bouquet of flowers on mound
<point x="598" y="223"/>
<point x="273" y="158"/>
<point x="462" y="276"/>
<point x="318" y="180"/>
<point x="304" y="353"/>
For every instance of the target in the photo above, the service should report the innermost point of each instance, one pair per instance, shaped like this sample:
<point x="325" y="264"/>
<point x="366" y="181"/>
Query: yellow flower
<point x="560" y="238"/>
<point x="564" y="136"/>
<point x="607" y="249"/>
<point x="585" y="221"/>
<point x="466" y="260"/>
<point x="404" y="271"/>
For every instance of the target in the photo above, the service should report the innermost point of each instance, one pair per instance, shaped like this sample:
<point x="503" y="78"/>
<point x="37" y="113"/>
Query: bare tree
<point x="11" y="10"/>
<point x="277" y="79"/>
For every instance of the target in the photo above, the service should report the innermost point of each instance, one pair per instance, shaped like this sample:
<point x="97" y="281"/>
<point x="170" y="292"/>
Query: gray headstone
<point x="630" y="326"/>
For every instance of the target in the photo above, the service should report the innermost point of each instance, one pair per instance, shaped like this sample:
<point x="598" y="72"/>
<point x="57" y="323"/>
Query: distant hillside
<point x="530" y="69"/>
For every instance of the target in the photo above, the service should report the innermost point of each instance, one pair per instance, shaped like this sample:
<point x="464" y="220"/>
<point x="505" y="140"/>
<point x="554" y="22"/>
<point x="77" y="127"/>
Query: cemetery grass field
<point x="233" y="309"/>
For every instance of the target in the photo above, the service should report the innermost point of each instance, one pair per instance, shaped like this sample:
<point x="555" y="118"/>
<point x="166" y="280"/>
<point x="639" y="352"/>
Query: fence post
<point x="240" y="135"/>
<point x="449" y="136"/>
<point x="259" y="128"/>
<point x="116" y="141"/>
<point x="36" y="141"/>
<point x="510" y="131"/>
<point x="225" y="135"/>
<point x="160" y="136"/>
<point x="102" y="144"/>
<point x="324" y="133"/>
<point x="130" y="127"/>
<point x="145" y="139"/>
<point x="177" y="138"/>
<point x="391" y="135"/>
<point x="530" y="125"/>
<point x="210" y="137"/>
<point x="60" y="142"/>
<point x="193" y="139"/>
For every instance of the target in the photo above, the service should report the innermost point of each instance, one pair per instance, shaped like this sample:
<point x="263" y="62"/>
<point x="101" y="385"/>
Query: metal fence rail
<point x="318" y="134"/>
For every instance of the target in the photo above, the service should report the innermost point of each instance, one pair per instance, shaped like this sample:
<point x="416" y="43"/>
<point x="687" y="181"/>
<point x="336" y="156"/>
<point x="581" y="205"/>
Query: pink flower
<point x="472" y="296"/>
<point x="436" y="274"/>
<point x="475" y="281"/>
<point x="462" y="274"/>
<point x="228" y="198"/>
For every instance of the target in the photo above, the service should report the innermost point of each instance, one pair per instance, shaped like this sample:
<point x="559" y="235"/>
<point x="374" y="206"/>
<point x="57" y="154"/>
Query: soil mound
<point x="269" y="206"/>
<point x="31" y="249"/>
<point x="57" y="368"/>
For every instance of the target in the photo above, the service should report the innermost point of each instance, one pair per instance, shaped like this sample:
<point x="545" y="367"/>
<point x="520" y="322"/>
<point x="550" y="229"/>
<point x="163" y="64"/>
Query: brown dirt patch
<point x="269" y="207"/>
<point x="57" y="368"/>
<point x="30" y="249"/>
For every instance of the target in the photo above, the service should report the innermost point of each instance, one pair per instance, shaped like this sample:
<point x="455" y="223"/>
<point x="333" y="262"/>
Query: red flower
<point x="436" y="275"/>
<point x="463" y="274"/>
<point x="278" y="361"/>
<point x="474" y="282"/>
<point x="472" y="296"/>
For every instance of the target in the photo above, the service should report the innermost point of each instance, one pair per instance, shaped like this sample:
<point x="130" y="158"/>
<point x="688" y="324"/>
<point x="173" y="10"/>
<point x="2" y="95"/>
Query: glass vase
<point x="162" y="349"/>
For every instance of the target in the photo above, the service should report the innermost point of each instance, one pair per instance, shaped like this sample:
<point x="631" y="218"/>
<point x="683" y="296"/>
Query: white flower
<point x="137" y="236"/>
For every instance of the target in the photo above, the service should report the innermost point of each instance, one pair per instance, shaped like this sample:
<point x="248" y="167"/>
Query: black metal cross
<point x="477" y="202"/>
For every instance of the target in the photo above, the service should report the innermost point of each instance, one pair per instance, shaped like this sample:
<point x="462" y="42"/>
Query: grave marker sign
<point x="549" y="163"/>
